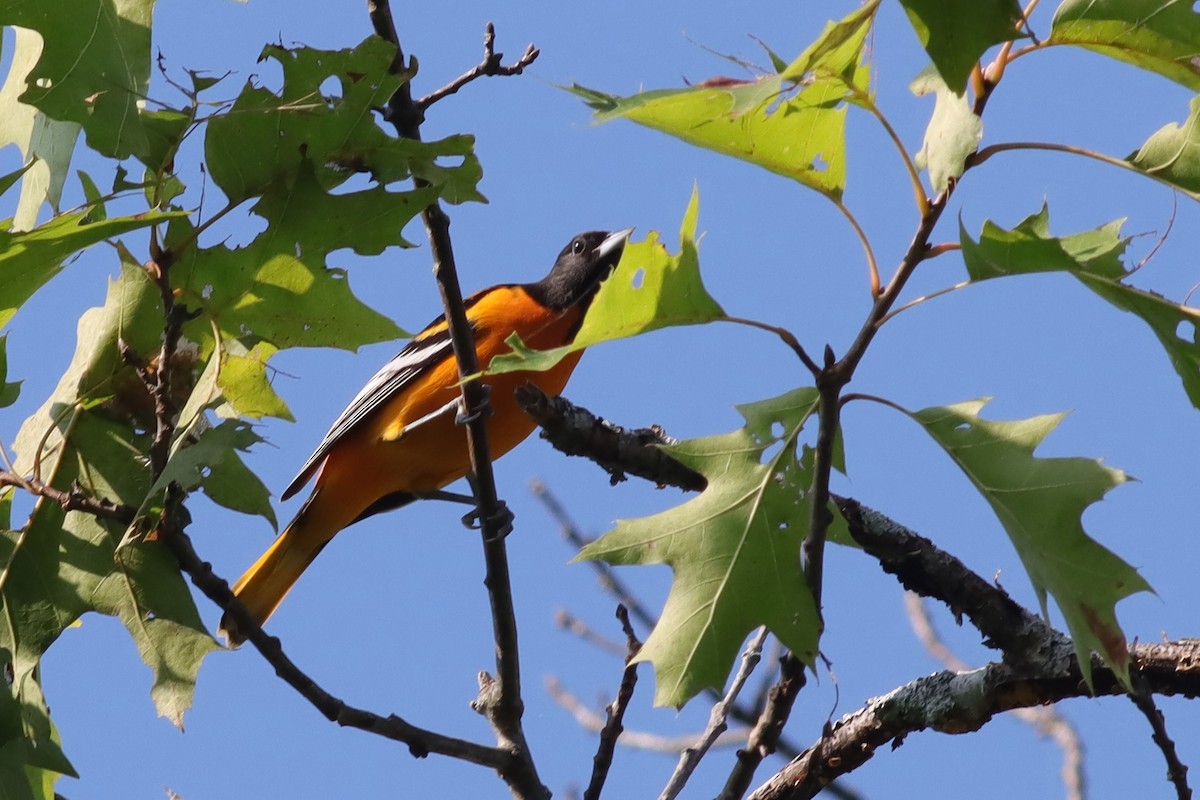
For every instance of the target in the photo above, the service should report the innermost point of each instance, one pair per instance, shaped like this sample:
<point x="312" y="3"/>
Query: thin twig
<point x="615" y="713"/>
<point x="1176" y="770"/>
<point x="784" y="334"/>
<point x="764" y="738"/>
<point x="489" y="66"/>
<point x="1161" y="239"/>
<point x="690" y="758"/>
<point x="567" y="621"/>
<point x="609" y="582"/>
<point x="590" y="720"/>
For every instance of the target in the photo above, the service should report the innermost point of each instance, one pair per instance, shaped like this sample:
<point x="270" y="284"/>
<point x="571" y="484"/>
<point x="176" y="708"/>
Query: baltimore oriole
<point x="398" y="441"/>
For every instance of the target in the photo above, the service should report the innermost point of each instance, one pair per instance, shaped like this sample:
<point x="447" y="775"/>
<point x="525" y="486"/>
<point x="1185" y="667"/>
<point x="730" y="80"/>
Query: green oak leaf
<point x="1094" y="259"/>
<point x="953" y="133"/>
<point x="956" y="34"/>
<point x="792" y="123"/>
<point x="650" y="289"/>
<point x="28" y="259"/>
<point x="278" y="287"/>
<point x="27" y="772"/>
<point x="8" y="391"/>
<point x="94" y="67"/>
<point x="1040" y="503"/>
<point x="1161" y="36"/>
<point x="209" y="460"/>
<point x="266" y="139"/>
<point x="734" y="550"/>
<point x="1172" y="154"/>
<point x="69" y="563"/>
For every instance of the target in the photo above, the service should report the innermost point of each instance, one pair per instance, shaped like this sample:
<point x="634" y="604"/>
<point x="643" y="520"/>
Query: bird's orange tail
<point x="268" y="580"/>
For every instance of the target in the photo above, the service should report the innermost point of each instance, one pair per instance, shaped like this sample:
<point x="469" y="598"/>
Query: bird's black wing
<point x="417" y="357"/>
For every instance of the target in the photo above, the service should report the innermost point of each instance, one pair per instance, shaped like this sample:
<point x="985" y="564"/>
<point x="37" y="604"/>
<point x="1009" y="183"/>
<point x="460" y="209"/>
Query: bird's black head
<point x="582" y="265"/>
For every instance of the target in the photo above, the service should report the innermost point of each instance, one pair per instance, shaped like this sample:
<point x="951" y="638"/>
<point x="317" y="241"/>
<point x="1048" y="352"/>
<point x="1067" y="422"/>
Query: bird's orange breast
<point x="384" y="455"/>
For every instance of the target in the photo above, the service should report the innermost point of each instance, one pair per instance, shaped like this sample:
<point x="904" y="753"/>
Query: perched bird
<point x="398" y="441"/>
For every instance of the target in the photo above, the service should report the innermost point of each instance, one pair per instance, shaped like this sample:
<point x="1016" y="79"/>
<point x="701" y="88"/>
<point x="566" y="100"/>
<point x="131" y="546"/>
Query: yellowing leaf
<point x="791" y="123"/>
<point x="1040" y="503"/>
<point x="734" y="550"/>
<point x="650" y="289"/>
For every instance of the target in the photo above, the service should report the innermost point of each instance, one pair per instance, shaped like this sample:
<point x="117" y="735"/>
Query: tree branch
<point x="960" y="702"/>
<point x="574" y="430"/>
<point x="499" y="700"/>
<point x="421" y="742"/>
<point x="489" y="66"/>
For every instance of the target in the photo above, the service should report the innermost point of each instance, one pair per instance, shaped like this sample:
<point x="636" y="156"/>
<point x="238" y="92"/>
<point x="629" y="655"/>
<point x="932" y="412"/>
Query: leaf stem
<point x="1004" y="147"/>
<point x="910" y="166"/>
<point x="872" y="265"/>
<point x="784" y="334"/>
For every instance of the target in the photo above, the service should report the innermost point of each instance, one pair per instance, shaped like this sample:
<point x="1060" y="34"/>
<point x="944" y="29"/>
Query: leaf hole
<point x="207" y="291"/>
<point x="770" y="451"/>
<point x="331" y="91"/>
<point x="639" y="278"/>
<point x="1186" y="331"/>
<point x="151" y="616"/>
<point x="819" y="163"/>
<point x="963" y="426"/>
<point x="777" y="429"/>
<point x="43" y="83"/>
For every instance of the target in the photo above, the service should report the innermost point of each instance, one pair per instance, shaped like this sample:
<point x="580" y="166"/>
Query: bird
<point x="398" y="440"/>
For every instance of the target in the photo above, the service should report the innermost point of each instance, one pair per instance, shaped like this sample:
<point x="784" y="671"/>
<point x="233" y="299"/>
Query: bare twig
<point x="615" y="713"/>
<point x="764" y="738"/>
<point x="592" y="721"/>
<point x="609" y="582"/>
<point x="489" y="66"/>
<point x="499" y="700"/>
<point x="567" y="621"/>
<point x="1176" y="770"/>
<point x="690" y="758"/>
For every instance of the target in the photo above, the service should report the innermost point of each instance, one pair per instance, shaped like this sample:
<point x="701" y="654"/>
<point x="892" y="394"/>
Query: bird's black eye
<point x="578" y="246"/>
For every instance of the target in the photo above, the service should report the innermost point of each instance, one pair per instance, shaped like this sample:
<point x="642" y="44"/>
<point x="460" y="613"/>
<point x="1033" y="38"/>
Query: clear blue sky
<point x="393" y="616"/>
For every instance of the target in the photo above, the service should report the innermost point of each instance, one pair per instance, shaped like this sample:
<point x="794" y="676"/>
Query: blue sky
<point x="393" y="616"/>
